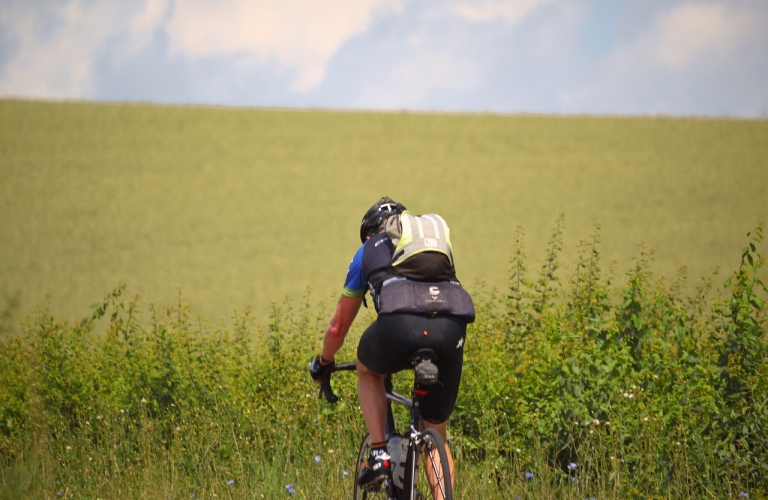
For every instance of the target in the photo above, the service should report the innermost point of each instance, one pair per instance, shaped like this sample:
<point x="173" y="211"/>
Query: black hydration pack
<point x="421" y="276"/>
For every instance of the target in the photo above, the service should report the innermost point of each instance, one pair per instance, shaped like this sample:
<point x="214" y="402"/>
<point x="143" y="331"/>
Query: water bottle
<point x="397" y="447"/>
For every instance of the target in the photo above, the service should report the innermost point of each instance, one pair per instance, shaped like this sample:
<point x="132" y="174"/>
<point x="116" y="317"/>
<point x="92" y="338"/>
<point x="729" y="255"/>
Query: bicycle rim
<point x="360" y="493"/>
<point x="432" y="475"/>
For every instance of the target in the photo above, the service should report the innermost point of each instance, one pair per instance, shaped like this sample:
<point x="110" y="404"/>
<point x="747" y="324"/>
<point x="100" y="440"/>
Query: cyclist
<point x="388" y="343"/>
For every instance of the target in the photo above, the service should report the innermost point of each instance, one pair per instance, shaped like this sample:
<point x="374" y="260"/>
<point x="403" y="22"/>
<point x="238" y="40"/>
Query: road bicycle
<point x="420" y="470"/>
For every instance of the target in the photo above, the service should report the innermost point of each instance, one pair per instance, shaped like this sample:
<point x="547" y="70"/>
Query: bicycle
<point x="430" y="479"/>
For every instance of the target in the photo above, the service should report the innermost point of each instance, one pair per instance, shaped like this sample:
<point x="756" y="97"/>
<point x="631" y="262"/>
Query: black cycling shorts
<point x="392" y="339"/>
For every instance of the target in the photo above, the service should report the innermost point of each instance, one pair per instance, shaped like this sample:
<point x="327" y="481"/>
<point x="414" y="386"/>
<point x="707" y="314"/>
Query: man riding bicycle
<point x="387" y="344"/>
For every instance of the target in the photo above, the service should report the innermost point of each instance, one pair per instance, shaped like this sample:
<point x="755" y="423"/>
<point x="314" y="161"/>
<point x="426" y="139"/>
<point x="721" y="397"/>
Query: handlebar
<point x="325" y="383"/>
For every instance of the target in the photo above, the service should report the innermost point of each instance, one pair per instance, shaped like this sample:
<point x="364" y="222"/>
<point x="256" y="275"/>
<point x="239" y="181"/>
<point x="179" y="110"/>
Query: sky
<point x="673" y="57"/>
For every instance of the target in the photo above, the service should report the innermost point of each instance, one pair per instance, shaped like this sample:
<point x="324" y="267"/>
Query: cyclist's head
<point x="374" y="218"/>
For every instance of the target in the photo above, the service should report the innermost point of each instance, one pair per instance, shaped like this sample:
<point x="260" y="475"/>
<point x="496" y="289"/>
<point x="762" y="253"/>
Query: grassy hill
<point x="246" y="206"/>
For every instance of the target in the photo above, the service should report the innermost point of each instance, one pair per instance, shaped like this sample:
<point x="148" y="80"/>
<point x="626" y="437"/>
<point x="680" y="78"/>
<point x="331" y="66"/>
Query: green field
<point x="246" y="206"/>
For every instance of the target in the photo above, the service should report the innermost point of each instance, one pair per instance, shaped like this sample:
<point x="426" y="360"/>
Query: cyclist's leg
<point x="384" y="349"/>
<point x="447" y="339"/>
<point x="373" y="401"/>
<point x="442" y="430"/>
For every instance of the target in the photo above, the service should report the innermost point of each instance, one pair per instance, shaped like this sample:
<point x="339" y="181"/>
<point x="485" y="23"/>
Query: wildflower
<point x="69" y="448"/>
<point x="631" y="396"/>
<point x="517" y="450"/>
<point x="744" y="494"/>
<point x="58" y="494"/>
<point x="122" y="411"/>
<point x="529" y="475"/>
<point x="574" y="480"/>
<point x="290" y="489"/>
<point x="317" y="459"/>
<point x="345" y="472"/>
<point x="143" y="400"/>
<point x="597" y="422"/>
<point x="330" y="451"/>
<point x="178" y="429"/>
<point x="571" y="466"/>
<point x="230" y="482"/>
<point x="191" y="496"/>
<point x="645" y="419"/>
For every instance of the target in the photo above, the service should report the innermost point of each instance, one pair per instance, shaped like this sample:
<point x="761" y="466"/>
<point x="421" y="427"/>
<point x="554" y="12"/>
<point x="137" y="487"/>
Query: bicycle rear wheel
<point x="431" y="471"/>
<point x="384" y="493"/>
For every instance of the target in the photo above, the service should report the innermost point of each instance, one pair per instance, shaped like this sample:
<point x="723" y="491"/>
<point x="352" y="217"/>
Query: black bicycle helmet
<point x="377" y="214"/>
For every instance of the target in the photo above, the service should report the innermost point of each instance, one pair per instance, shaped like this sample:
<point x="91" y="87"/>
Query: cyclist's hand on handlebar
<point x="318" y="370"/>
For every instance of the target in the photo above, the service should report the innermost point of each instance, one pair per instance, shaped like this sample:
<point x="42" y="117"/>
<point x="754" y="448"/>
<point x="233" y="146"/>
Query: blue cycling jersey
<point x="355" y="284"/>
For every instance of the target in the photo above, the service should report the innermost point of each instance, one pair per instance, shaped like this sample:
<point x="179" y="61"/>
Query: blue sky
<point x="678" y="57"/>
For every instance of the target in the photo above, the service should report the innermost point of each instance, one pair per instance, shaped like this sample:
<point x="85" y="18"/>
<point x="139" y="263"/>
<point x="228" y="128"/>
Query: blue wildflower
<point x="345" y="472"/>
<point x="529" y="475"/>
<point x="290" y="489"/>
<point x="231" y="482"/>
<point x="317" y="458"/>
<point x="574" y="480"/>
<point x="571" y="466"/>
<point x="744" y="494"/>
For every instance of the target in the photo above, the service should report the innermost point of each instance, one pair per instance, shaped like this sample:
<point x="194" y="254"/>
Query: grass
<point x="246" y="206"/>
<point x="577" y="384"/>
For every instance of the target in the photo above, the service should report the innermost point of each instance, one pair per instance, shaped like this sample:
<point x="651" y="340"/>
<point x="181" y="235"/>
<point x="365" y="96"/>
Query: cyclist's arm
<point x="345" y="314"/>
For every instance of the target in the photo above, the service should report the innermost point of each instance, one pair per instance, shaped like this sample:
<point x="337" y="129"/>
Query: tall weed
<point x="576" y="385"/>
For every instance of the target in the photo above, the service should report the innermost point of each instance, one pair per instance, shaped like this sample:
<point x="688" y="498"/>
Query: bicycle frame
<point x="414" y="434"/>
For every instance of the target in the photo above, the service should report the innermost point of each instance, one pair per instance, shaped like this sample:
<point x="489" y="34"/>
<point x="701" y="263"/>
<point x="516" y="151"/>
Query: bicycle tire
<point x="385" y="493"/>
<point x="430" y="455"/>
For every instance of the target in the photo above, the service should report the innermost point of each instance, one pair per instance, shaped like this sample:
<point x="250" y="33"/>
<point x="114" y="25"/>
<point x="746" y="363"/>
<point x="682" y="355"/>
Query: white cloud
<point x="688" y="35"/>
<point x="55" y="46"/>
<point x="301" y="36"/>
<point x="694" y="32"/>
<point x="511" y="11"/>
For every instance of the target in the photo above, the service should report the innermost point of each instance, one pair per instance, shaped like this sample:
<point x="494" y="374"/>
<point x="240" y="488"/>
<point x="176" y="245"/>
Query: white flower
<point x="597" y="422"/>
<point x="143" y="400"/>
<point x="517" y="450"/>
<point x="645" y="419"/>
